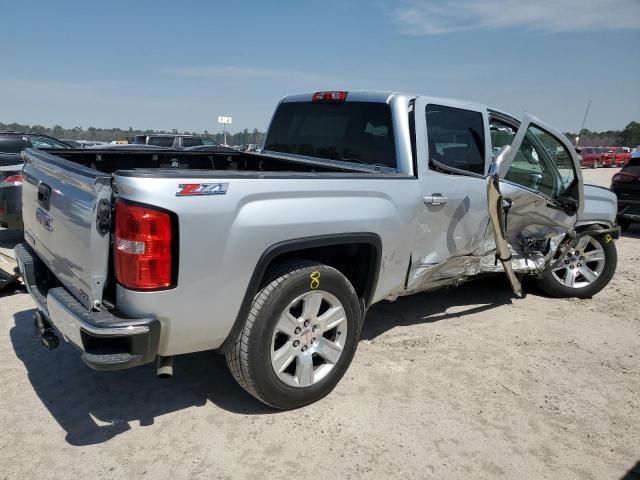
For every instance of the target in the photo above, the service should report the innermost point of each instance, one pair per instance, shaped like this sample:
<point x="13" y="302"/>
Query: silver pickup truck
<point x="273" y="258"/>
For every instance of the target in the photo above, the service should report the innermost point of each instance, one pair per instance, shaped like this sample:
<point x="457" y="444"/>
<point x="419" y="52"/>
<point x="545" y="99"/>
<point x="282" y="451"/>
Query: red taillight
<point x="15" y="179"/>
<point x="625" y="177"/>
<point x="329" y="97"/>
<point x="143" y="247"/>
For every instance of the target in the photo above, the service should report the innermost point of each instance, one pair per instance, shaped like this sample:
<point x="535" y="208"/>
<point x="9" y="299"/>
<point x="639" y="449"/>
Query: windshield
<point x="191" y="142"/>
<point x="161" y="141"/>
<point x="359" y="132"/>
<point x="46" y="142"/>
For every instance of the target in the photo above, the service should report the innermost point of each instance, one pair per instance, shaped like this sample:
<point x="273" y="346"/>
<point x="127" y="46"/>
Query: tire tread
<point x="238" y="356"/>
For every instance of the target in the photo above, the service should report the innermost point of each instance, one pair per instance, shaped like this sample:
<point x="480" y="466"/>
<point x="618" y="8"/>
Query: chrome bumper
<point x="107" y="342"/>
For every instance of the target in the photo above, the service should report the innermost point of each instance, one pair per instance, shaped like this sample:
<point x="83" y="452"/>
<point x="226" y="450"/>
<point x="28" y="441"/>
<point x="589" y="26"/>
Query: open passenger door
<point x="534" y="189"/>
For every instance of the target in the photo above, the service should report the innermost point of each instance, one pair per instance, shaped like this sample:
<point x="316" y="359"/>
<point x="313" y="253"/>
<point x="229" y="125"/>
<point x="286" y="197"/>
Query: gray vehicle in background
<point x="172" y="140"/>
<point x="11" y="146"/>
<point x="273" y="258"/>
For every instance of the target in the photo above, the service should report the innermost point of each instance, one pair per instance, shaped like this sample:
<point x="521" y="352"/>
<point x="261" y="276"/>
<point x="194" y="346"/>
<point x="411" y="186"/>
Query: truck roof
<point x="382" y="96"/>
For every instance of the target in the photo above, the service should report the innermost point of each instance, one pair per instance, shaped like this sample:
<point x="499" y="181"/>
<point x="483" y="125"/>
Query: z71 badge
<point x="191" y="189"/>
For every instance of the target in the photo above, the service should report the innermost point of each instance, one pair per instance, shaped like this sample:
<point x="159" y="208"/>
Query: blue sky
<point x="179" y="65"/>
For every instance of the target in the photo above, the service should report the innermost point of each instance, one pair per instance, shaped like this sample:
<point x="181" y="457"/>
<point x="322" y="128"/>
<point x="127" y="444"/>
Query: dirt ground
<point x="459" y="383"/>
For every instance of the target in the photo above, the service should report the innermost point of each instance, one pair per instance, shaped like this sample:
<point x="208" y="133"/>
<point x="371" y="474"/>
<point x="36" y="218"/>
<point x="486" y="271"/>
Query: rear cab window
<point x="358" y="132"/>
<point x="191" y="142"/>
<point x="161" y="141"/>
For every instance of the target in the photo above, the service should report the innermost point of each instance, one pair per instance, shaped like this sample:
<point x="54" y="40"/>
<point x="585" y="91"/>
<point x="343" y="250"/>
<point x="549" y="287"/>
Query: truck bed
<point x="110" y="160"/>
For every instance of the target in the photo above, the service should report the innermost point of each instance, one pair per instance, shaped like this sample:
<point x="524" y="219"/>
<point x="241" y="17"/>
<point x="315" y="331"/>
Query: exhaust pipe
<point x="165" y="367"/>
<point x="48" y="336"/>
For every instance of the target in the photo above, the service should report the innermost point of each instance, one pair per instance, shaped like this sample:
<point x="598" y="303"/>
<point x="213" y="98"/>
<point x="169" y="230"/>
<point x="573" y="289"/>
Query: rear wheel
<point x="584" y="270"/>
<point x="300" y="336"/>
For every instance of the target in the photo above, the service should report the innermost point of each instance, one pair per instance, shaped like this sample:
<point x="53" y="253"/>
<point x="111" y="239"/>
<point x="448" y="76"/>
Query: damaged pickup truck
<point x="273" y="258"/>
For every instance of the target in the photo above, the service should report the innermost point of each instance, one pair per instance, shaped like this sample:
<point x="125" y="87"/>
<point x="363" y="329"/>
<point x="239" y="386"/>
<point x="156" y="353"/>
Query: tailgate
<point x="66" y="211"/>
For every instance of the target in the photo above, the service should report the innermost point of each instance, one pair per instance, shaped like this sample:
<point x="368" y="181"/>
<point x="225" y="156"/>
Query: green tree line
<point x="110" y="134"/>
<point x="629" y="136"/>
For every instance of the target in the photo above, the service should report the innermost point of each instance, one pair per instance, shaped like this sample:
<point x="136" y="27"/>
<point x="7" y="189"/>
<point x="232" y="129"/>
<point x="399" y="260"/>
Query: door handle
<point x="435" y="199"/>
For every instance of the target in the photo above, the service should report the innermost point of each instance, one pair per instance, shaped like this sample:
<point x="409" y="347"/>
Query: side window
<point x="543" y="164"/>
<point x="456" y="139"/>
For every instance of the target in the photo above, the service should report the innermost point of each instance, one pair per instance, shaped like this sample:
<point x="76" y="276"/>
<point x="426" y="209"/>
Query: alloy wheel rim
<point x="308" y="339"/>
<point x="581" y="265"/>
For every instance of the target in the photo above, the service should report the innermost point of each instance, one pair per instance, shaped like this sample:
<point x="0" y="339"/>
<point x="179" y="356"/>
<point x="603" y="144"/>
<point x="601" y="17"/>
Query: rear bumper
<point x="107" y="341"/>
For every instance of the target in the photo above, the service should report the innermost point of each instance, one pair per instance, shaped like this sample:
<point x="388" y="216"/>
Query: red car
<point x="621" y="156"/>
<point x="608" y="155"/>
<point x="590" y="157"/>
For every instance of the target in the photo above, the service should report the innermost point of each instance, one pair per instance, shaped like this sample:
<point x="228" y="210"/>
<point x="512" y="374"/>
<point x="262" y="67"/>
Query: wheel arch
<point x="604" y="227"/>
<point x="340" y="251"/>
<point x="597" y="223"/>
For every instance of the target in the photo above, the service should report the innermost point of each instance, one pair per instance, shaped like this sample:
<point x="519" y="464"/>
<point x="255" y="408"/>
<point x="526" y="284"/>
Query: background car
<point x="72" y="143"/>
<point x="172" y="140"/>
<point x="621" y="156"/>
<point x="217" y="148"/>
<point x="626" y="185"/>
<point x="607" y="156"/>
<point x="10" y="188"/>
<point x="91" y="143"/>
<point x="11" y="146"/>
<point x="590" y="157"/>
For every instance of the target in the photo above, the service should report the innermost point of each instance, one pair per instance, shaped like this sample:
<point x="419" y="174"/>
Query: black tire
<point x="249" y="359"/>
<point x="624" y="223"/>
<point x="553" y="287"/>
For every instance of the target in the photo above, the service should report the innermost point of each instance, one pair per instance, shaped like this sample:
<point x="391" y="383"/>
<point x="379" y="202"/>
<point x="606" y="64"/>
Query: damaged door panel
<point x="538" y="186"/>
<point x="453" y="233"/>
<point x="542" y="182"/>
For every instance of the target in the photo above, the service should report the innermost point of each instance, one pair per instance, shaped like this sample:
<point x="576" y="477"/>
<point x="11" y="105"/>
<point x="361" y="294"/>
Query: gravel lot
<point x="459" y="383"/>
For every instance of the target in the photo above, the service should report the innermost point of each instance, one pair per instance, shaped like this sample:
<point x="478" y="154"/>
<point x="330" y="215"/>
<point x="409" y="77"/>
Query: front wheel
<point x="584" y="270"/>
<point x="300" y="335"/>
